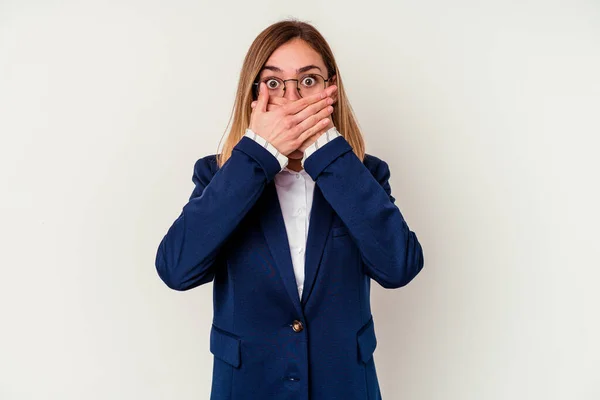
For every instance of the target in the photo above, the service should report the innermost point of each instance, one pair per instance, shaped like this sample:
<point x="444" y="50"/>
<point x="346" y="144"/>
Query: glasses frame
<point x="256" y="88"/>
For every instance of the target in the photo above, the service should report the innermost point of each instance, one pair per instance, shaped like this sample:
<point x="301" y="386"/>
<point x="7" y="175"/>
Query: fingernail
<point x="330" y="109"/>
<point x="330" y="101"/>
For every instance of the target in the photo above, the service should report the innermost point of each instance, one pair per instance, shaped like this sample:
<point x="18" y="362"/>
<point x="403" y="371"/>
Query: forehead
<point x="293" y="55"/>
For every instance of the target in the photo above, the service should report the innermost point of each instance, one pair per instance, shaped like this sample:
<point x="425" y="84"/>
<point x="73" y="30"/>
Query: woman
<point x="291" y="221"/>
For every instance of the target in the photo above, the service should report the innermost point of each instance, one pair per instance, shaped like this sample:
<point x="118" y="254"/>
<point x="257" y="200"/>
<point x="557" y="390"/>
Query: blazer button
<point x="297" y="326"/>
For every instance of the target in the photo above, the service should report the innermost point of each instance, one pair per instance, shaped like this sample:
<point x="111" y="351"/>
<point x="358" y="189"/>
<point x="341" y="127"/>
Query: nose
<point x="291" y="91"/>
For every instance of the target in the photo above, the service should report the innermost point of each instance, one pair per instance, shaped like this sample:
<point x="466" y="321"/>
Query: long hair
<point x="261" y="49"/>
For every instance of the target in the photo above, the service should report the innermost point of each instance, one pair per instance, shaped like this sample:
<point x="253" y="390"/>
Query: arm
<point x="187" y="254"/>
<point x="391" y="252"/>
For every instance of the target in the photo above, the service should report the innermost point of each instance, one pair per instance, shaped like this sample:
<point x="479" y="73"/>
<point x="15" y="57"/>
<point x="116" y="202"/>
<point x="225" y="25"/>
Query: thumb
<point x="263" y="97"/>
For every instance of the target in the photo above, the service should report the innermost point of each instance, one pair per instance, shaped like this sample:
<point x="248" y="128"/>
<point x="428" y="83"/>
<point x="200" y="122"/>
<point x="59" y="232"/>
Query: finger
<point x="298" y="105"/>
<point x="281" y="101"/>
<point x="270" y="107"/>
<point x="317" y="128"/>
<point x="314" y="109"/>
<point x="334" y="96"/>
<point x="319" y="120"/>
<point x="263" y="97"/>
<point x="331" y="90"/>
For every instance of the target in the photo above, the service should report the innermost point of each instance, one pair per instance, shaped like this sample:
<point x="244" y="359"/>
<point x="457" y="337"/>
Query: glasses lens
<point x="310" y="84"/>
<point x="275" y="86"/>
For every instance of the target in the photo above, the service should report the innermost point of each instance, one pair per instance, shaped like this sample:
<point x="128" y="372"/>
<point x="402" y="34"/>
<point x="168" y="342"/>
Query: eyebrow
<point x="299" y="70"/>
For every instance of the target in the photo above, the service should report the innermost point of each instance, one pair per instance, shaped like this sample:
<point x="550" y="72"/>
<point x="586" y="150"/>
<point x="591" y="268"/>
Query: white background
<point x="486" y="111"/>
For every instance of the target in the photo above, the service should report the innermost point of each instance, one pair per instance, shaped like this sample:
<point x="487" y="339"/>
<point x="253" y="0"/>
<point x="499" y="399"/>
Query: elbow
<point x="181" y="262"/>
<point x="166" y="272"/>
<point x="394" y="280"/>
<point x="400" y="275"/>
<point x="169" y="278"/>
<point x="401" y="272"/>
<point x="176" y="276"/>
<point x="181" y="282"/>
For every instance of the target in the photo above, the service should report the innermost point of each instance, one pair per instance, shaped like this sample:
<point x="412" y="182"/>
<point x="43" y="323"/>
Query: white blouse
<point x="295" y="192"/>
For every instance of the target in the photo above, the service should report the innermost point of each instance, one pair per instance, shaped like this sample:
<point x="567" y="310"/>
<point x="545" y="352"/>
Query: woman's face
<point x="292" y="60"/>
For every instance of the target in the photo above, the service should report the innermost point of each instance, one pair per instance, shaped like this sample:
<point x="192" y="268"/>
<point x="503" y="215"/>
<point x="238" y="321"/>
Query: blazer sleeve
<point x="188" y="253"/>
<point x="390" y="251"/>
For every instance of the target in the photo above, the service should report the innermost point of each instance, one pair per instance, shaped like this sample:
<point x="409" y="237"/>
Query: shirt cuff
<point x="325" y="138"/>
<point x="283" y="160"/>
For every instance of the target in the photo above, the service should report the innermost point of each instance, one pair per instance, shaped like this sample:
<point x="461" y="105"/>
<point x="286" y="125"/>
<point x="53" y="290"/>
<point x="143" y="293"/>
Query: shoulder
<point x="378" y="167"/>
<point x="205" y="168"/>
<point x="207" y="162"/>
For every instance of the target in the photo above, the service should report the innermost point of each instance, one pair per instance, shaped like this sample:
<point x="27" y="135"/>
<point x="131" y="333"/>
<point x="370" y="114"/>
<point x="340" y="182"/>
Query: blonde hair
<point x="261" y="49"/>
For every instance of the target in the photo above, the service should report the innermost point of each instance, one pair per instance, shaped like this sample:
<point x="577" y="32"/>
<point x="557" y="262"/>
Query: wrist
<point x="322" y="140"/>
<point x="282" y="159"/>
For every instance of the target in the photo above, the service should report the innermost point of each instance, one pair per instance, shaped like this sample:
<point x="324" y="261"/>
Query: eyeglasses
<point x="307" y="85"/>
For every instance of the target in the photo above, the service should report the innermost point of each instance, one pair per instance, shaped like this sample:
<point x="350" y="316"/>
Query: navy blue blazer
<point x="267" y="342"/>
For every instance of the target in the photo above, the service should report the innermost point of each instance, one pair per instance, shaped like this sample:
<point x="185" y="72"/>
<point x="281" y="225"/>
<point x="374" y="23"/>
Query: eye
<point x="272" y="83"/>
<point x="309" y="81"/>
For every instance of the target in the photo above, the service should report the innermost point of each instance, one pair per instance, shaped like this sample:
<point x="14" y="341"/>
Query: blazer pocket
<point x="339" y="230"/>
<point x="225" y="346"/>
<point x="367" y="342"/>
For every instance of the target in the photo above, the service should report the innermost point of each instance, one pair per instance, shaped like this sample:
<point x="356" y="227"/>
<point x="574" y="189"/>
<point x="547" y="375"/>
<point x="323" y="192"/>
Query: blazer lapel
<point x="321" y="216"/>
<point x="273" y="226"/>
